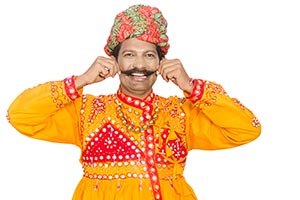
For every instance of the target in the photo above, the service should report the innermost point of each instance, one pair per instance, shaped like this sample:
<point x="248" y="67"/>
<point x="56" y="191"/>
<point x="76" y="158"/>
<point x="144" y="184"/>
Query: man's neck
<point x="136" y="94"/>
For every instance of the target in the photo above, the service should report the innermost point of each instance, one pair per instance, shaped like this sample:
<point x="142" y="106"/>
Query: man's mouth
<point x="137" y="72"/>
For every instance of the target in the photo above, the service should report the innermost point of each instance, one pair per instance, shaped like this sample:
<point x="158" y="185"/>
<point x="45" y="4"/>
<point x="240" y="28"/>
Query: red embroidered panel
<point x="109" y="145"/>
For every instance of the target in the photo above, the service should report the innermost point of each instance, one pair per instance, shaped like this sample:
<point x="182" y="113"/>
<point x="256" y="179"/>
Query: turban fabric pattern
<point x="142" y="22"/>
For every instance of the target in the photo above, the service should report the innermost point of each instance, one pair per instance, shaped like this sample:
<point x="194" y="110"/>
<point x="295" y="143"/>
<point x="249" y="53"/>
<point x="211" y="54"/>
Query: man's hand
<point x="101" y="69"/>
<point x="173" y="70"/>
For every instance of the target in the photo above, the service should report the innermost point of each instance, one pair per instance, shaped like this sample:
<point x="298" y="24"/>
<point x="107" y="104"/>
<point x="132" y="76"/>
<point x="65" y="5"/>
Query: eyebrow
<point x="147" y="51"/>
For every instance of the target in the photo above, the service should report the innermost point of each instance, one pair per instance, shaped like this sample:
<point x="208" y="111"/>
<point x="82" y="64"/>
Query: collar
<point x="145" y="103"/>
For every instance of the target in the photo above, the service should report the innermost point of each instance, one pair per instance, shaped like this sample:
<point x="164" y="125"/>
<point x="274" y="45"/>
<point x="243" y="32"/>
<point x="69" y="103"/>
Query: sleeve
<point x="215" y="120"/>
<point x="49" y="111"/>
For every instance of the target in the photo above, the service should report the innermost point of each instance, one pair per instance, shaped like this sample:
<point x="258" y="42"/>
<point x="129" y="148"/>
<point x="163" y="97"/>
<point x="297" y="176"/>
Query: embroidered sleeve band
<point x="197" y="91"/>
<point x="71" y="88"/>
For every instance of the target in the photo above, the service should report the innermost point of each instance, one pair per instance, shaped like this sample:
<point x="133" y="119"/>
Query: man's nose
<point x="140" y="62"/>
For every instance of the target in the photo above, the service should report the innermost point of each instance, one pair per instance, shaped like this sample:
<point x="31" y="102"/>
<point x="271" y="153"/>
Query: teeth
<point x="137" y="74"/>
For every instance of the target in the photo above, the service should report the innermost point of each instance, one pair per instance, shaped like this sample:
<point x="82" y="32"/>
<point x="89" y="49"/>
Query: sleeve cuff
<point x="70" y="88"/>
<point x="197" y="91"/>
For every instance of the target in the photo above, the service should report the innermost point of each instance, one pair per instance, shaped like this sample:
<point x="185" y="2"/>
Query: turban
<point x="142" y="22"/>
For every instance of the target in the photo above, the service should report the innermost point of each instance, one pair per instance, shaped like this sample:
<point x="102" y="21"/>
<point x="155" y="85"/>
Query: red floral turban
<point x="142" y="22"/>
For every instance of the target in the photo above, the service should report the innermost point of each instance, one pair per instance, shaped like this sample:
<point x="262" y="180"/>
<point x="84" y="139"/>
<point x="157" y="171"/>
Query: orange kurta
<point x="134" y="148"/>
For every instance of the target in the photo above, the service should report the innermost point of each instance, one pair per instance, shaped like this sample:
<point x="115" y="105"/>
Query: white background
<point x="251" y="47"/>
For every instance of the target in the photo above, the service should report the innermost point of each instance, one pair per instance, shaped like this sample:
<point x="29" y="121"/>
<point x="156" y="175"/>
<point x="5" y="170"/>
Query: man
<point x="134" y="143"/>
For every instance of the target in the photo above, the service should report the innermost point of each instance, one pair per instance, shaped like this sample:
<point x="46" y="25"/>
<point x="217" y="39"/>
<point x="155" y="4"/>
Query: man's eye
<point x="128" y="54"/>
<point x="150" y="55"/>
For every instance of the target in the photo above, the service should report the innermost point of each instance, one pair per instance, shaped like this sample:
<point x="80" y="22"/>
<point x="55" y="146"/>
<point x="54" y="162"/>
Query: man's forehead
<point x="136" y="45"/>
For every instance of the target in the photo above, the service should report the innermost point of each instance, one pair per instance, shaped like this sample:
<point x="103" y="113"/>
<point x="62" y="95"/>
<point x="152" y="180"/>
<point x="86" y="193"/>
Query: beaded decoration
<point x="132" y="127"/>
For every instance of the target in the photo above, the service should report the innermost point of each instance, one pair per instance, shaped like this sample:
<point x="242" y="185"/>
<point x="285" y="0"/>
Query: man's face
<point x="137" y="59"/>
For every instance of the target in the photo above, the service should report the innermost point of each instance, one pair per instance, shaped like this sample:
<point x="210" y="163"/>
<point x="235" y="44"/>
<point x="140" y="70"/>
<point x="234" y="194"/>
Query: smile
<point x="136" y="72"/>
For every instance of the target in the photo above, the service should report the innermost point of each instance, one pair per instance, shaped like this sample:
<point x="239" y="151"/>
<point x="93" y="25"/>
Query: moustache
<point x="135" y="70"/>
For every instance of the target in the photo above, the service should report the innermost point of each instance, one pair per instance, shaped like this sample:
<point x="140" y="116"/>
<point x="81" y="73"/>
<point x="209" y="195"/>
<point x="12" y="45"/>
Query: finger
<point x="172" y="75"/>
<point x="106" y="68"/>
<point x="112" y="69"/>
<point x="116" y="68"/>
<point x="103" y="74"/>
<point x="104" y="71"/>
<point x="161" y="65"/>
<point x="166" y="70"/>
<point x="112" y="66"/>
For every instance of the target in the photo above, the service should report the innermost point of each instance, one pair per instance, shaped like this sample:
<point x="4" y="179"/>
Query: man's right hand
<point x="101" y="69"/>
